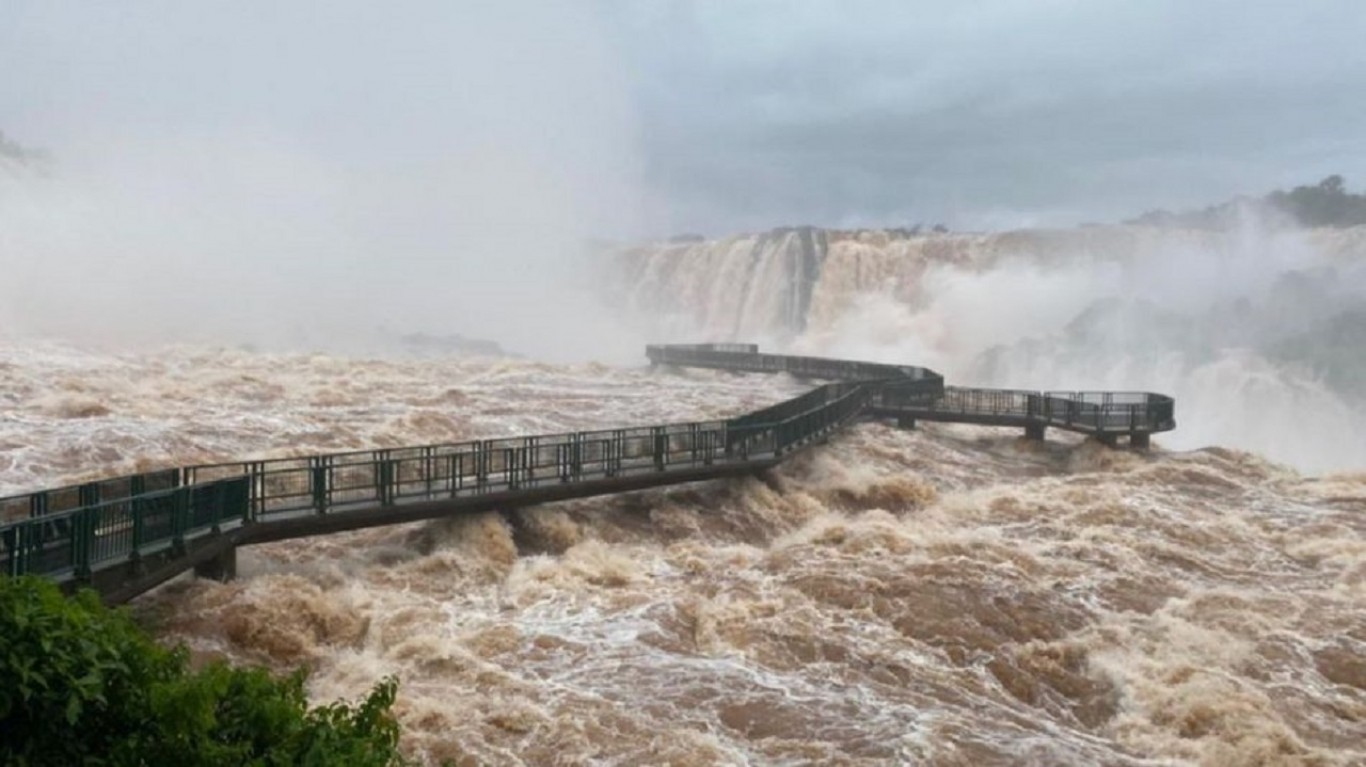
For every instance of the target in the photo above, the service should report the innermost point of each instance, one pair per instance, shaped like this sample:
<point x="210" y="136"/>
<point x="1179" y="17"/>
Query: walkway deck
<point x="125" y="535"/>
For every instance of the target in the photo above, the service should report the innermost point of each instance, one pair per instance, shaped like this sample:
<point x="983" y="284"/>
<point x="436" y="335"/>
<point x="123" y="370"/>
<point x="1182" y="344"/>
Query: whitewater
<point x="948" y="595"/>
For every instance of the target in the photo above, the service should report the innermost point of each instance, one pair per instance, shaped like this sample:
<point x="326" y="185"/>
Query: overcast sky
<point x="989" y="112"/>
<point x="658" y="117"/>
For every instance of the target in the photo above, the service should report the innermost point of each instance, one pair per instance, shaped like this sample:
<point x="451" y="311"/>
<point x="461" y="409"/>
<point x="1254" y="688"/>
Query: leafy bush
<point x="82" y="684"/>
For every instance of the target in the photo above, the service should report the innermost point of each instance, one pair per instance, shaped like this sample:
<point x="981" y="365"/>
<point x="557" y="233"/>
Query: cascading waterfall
<point x="745" y="286"/>
<point x="948" y="595"/>
<point x="1099" y="307"/>
<point x="785" y="282"/>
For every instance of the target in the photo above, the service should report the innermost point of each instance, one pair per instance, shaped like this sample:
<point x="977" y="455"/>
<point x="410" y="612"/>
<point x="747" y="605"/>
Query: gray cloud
<point x="427" y="166"/>
<point x="987" y="113"/>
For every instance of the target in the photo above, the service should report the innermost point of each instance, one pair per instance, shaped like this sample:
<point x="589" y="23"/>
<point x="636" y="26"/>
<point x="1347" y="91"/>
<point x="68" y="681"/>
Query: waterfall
<point x="1115" y="307"/>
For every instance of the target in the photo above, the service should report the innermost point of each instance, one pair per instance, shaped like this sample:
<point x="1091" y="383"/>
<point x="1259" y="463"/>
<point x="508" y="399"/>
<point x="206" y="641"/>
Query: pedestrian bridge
<point x="125" y="535"/>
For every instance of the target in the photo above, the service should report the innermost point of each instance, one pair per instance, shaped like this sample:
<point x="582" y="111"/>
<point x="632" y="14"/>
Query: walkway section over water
<point x="125" y="535"/>
<point x="1102" y="414"/>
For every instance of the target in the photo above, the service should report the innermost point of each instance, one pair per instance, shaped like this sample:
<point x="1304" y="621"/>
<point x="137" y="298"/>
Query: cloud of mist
<point x="311" y="176"/>
<point x="1257" y="334"/>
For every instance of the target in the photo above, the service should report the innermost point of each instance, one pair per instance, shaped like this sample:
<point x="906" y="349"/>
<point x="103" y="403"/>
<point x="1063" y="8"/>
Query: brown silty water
<point x="950" y="595"/>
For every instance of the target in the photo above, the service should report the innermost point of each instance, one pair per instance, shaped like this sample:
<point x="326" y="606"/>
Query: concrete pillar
<point x="1139" y="440"/>
<point x="905" y="422"/>
<point x="1109" y="440"/>
<point x="222" y="567"/>
<point x="1035" y="431"/>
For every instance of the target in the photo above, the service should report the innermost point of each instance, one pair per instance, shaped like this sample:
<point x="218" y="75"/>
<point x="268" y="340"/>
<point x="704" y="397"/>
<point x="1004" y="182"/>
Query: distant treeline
<point x="13" y="150"/>
<point x="1327" y="203"/>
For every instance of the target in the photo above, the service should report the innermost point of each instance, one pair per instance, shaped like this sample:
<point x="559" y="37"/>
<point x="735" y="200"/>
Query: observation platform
<point x="125" y="535"/>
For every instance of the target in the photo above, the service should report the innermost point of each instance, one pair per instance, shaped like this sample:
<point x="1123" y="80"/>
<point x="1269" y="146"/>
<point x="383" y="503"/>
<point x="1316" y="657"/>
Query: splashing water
<point x="952" y="595"/>
<point x="1256" y="331"/>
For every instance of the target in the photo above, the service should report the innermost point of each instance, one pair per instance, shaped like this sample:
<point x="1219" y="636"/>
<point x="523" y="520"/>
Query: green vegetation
<point x="1327" y="203"/>
<point x="83" y="685"/>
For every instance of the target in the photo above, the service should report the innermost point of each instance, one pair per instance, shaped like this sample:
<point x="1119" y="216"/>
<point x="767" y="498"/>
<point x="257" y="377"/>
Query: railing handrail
<point x="163" y="507"/>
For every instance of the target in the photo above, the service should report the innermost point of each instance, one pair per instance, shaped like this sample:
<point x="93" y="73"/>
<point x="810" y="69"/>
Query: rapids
<point x="950" y="595"/>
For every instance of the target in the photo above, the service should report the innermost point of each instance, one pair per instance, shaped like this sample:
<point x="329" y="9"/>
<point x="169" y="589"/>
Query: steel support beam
<point x="222" y="567"/>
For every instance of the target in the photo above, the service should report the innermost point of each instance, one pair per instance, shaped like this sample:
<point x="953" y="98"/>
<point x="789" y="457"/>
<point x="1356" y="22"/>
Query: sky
<point x="988" y="113"/>
<point x="428" y="165"/>
<point x="727" y="116"/>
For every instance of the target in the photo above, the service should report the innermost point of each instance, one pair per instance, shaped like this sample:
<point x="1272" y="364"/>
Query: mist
<point x="1256" y="332"/>
<point x="311" y="177"/>
<point x="334" y="178"/>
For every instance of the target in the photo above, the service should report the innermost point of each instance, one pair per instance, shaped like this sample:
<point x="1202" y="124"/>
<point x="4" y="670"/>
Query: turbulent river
<point x="949" y="595"/>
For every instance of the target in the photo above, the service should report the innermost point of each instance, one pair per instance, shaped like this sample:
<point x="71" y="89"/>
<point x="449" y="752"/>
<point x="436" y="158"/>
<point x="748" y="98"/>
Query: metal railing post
<point x="428" y="468"/>
<point x="257" y="472"/>
<point x="82" y="540"/>
<point x="661" y="447"/>
<point x="385" y="471"/>
<point x="139" y="509"/>
<point x="481" y="465"/>
<point x="317" y="481"/>
<point x="180" y="522"/>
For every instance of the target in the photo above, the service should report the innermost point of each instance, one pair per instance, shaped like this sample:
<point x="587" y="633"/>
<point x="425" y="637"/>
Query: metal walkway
<point x="125" y="535"/>
<point x="1105" y="415"/>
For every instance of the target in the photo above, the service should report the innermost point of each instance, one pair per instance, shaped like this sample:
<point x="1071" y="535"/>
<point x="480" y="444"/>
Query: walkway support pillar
<point x="1139" y="440"/>
<point x="1108" y="440"/>
<point x="905" y="422"/>
<point x="222" y="567"/>
<point x="1035" y="431"/>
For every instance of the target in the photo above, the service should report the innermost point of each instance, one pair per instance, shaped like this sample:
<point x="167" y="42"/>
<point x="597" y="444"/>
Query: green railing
<point x="1093" y="412"/>
<point x="916" y="390"/>
<point x="69" y="532"/>
<point x="68" y="544"/>
<point x="71" y="544"/>
<point x="746" y="357"/>
<point x="86" y="494"/>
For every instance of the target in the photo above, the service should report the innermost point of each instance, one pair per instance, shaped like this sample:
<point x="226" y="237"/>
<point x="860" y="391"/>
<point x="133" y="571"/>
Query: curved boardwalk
<point x="125" y="535"/>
